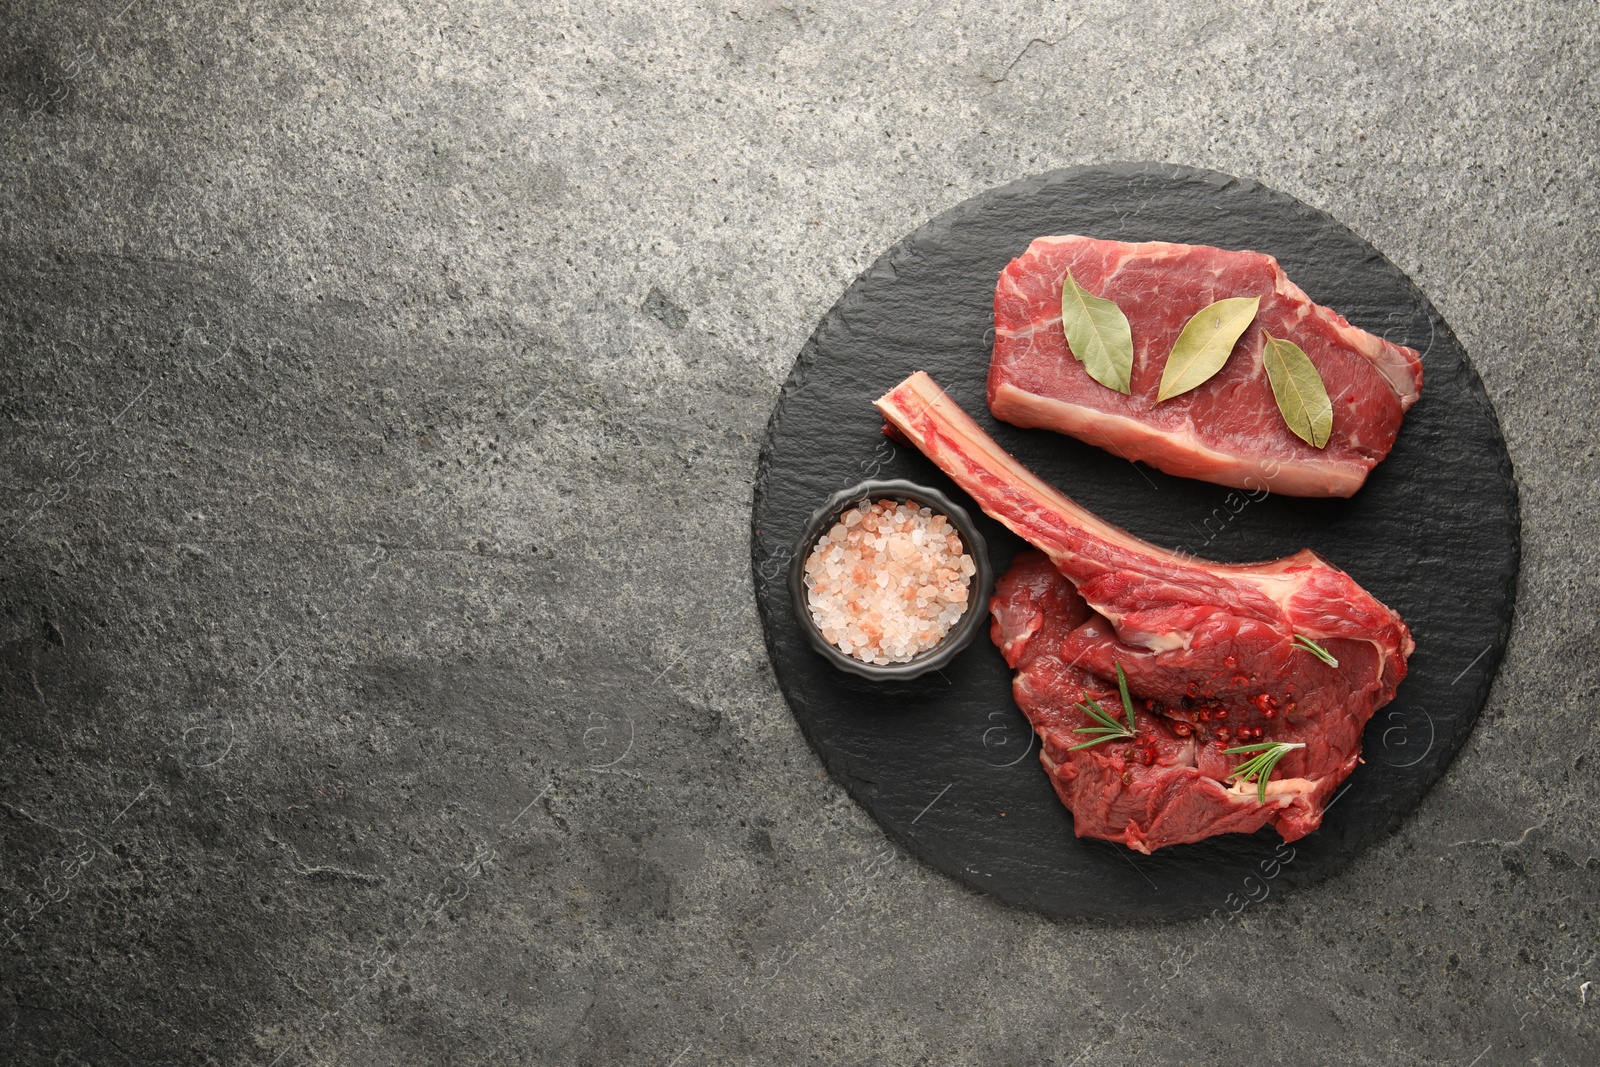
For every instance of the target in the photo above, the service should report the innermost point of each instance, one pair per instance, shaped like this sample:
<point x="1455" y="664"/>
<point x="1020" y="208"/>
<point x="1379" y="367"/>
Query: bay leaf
<point x="1098" y="334"/>
<point x="1298" y="388"/>
<point x="1204" y="344"/>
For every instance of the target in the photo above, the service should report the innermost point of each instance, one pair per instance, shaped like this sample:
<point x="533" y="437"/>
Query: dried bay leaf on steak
<point x="1098" y="335"/>
<point x="1298" y="388"/>
<point x="1205" y="343"/>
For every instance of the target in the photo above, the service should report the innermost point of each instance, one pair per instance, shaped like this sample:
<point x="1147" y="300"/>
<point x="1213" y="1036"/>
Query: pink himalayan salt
<point x="887" y="581"/>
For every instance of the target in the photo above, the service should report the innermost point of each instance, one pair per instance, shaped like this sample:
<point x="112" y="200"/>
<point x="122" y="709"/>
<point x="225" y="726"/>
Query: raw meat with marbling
<point x="1229" y="429"/>
<point x="1209" y="651"/>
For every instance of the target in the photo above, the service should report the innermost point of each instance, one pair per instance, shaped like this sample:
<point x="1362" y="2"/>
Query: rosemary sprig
<point x="1259" y="767"/>
<point x="1127" y="702"/>
<point x="1315" y="649"/>
<point x="1109" y="729"/>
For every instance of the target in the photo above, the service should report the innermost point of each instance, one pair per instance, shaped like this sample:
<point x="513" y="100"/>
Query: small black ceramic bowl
<point x="960" y="635"/>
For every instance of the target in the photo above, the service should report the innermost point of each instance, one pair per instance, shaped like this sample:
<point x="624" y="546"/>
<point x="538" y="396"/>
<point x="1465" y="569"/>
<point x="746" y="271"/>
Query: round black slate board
<point x="947" y="764"/>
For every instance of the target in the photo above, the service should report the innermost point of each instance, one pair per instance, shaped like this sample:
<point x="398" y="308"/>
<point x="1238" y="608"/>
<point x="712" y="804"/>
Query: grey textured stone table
<point x="381" y="385"/>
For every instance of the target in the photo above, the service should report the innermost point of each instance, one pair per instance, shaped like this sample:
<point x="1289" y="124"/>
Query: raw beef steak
<point x="1229" y="429"/>
<point x="1208" y="649"/>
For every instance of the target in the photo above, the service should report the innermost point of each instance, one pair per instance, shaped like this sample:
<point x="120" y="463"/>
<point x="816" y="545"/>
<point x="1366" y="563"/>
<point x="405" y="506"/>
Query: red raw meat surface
<point x="1229" y="429"/>
<point x="1208" y="650"/>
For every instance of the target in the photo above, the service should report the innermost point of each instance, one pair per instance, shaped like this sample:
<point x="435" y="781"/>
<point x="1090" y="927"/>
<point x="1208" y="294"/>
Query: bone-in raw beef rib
<point x="1229" y="429"/>
<point x="1209" y="652"/>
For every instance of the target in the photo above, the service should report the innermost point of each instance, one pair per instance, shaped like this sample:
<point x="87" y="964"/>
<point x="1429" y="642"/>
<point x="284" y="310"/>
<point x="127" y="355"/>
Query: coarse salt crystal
<point x="888" y="581"/>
